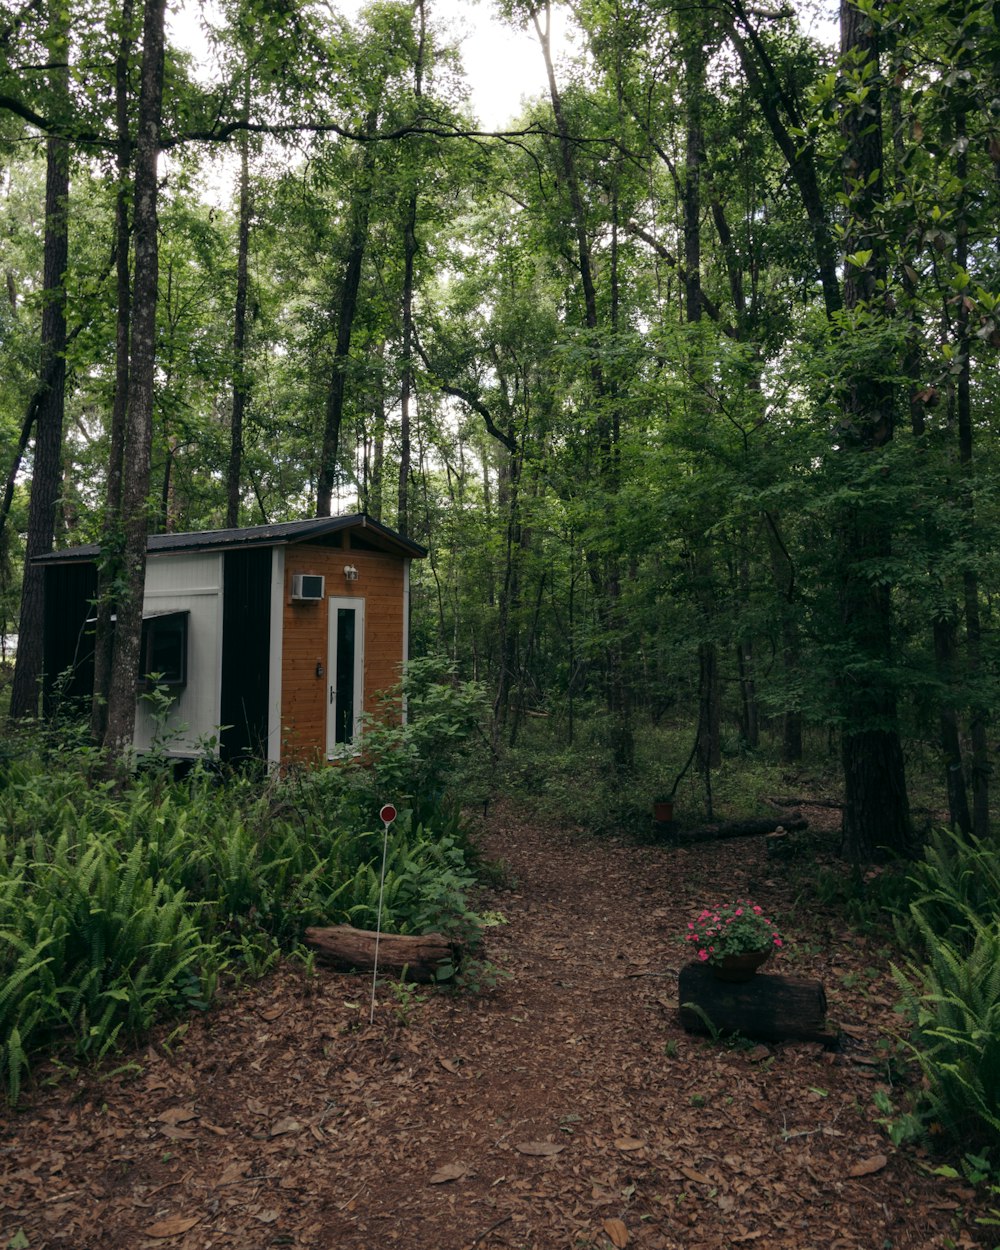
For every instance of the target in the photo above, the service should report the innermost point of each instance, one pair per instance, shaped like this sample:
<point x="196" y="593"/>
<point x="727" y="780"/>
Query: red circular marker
<point x="387" y="815"/>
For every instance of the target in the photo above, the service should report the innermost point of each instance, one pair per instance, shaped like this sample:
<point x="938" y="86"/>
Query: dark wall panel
<point x="246" y="645"/>
<point x="68" y="646"/>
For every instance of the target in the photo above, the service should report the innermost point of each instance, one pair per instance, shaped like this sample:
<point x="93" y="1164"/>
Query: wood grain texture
<point x="412" y="957"/>
<point x="303" y="694"/>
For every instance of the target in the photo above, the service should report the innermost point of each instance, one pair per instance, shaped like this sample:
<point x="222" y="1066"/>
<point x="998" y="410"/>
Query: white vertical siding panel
<point x="191" y="582"/>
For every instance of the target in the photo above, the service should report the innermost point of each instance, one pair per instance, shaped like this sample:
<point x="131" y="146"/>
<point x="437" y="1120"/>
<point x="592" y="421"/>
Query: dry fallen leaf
<point x="867" y="1166"/>
<point x="698" y="1177"/>
<point x="272" y="1013"/>
<point x="178" y="1134"/>
<point x="233" y="1172"/>
<point x="449" y="1065"/>
<point x="618" y="1233"/>
<point x="287" y="1125"/>
<point x="172" y="1227"/>
<point x="177" y="1115"/>
<point x="539" y="1148"/>
<point x="449" y="1172"/>
<point x="629" y="1143"/>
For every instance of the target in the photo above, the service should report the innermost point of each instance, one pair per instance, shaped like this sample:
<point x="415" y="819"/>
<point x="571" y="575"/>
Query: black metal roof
<point x="280" y="534"/>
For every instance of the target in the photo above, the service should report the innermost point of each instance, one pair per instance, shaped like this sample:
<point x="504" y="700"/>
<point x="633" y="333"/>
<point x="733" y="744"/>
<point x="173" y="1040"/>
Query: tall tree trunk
<point x="350" y="286"/>
<point x="876" y="809"/>
<point x="110" y="564"/>
<point x="783" y="572"/>
<point x="978" y="726"/>
<point x="241" y="388"/>
<point x="945" y="653"/>
<point x="406" y="384"/>
<point x="46" y="471"/>
<point x="373" y="497"/>
<point x="605" y="574"/>
<point x="749" y="714"/>
<point x="139" y="425"/>
<point x="409" y="257"/>
<point x="509" y="603"/>
<point x="709" y="703"/>
<point x="786" y="124"/>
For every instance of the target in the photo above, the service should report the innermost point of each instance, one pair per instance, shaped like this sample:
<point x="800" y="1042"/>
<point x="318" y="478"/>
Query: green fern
<point x="953" y="1003"/>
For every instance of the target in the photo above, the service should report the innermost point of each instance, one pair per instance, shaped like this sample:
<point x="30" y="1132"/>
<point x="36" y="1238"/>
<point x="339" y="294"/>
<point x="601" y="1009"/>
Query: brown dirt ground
<point x="564" y="1108"/>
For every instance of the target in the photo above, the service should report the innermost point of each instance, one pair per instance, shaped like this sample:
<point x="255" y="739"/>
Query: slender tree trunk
<point x="241" y="387"/>
<point x="110" y="564"/>
<point x="27" y="427"/>
<point x="47" y="468"/>
<point x="978" y="726"/>
<point x="406" y="385"/>
<point x="605" y="575"/>
<point x="350" y="287"/>
<point x="409" y="258"/>
<point x="376" y="469"/>
<point x="783" y="119"/>
<point x="783" y="571"/>
<point x="876" y="809"/>
<point x="509" y="603"/>
<point x="749" y="716"/>
<point x="139" y="427"/>
<point x="945" y="654"/>
<point x="709" y="703"/>
<point x="374" y="502"/>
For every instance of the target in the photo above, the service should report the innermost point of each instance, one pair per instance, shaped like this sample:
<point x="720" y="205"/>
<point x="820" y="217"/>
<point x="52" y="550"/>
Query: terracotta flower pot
<point x="663" y="811"/>
<point x="741" y="967"/>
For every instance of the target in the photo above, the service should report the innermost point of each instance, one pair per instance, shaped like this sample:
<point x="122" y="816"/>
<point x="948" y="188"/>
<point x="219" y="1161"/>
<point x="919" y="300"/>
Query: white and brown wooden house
<point x="273" y="640"/>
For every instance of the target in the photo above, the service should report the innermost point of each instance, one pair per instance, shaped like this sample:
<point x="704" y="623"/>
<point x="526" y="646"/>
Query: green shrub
<point x="956" y="884"/>
<point x="117" y="906"/>
<point x="951" y="990"/>
<point x="953" y="1003"/>
<point x="91" y="946"/>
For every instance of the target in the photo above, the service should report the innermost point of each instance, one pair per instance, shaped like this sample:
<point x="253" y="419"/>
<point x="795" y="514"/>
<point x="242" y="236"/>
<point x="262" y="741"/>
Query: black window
<point x="163" y="658"/>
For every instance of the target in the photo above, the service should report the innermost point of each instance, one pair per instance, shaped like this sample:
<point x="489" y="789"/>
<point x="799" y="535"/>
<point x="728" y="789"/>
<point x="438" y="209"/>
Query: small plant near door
<point x="415" y="762"/>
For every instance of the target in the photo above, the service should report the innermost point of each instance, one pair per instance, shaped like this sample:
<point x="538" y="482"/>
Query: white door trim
<point x="336" y="604"/>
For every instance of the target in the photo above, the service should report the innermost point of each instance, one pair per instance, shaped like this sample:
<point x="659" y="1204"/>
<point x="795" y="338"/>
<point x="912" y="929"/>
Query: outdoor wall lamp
<point x="350" y="573"/>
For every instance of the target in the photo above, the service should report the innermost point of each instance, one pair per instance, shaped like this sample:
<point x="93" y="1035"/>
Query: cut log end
<point x="421" y="957"/>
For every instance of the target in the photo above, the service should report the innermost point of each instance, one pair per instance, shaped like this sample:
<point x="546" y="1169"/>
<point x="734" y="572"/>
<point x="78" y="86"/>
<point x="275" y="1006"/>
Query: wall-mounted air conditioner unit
<point x="307" y="586"/>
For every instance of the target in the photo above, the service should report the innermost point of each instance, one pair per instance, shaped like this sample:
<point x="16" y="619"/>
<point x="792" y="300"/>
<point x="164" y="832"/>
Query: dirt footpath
<point x="563" y="1108"/>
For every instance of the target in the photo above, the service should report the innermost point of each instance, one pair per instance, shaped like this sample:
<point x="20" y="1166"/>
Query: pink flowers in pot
<point x="732" y="929"/>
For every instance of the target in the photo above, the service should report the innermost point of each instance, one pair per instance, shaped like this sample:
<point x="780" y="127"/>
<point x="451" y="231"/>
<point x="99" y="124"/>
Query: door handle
<point x="333" y="694"/>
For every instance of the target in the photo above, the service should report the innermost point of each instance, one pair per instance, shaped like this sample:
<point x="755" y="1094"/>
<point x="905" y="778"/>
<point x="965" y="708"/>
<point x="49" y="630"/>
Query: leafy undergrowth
<point x="120" y="907"/>
<point x="564" y="1107"/>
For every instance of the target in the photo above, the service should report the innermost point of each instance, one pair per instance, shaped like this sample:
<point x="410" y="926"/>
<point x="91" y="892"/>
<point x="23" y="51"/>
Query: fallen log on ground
<point x="412" y="957"/>
<point x="741" y="829"/>
<point x="792" y="802"/>
<point x="768" y="1007"/>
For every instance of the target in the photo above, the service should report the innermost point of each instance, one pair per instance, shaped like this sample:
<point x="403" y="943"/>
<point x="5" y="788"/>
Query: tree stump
<point x="411" y="957"/>
<point x="767" y="1007"/>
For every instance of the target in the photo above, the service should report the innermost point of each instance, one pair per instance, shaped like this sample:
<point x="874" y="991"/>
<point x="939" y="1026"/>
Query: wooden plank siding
<point x="305" y="630"/>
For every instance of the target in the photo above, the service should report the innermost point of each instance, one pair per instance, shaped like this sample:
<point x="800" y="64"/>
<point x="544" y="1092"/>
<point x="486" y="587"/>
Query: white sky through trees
<point x="502" y="65"/>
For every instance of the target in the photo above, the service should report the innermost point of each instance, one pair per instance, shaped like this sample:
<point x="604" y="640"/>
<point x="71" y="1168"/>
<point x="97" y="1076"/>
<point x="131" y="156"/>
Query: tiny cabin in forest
<point x="273" y="640"/>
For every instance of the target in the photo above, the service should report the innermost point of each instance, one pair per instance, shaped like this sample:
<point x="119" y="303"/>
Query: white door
<point x="346" y="675"/>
